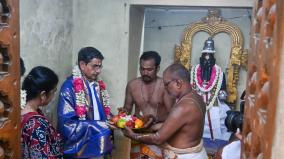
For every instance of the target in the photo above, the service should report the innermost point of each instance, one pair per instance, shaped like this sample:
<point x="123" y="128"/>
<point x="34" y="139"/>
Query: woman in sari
<point x="39" y="138"/>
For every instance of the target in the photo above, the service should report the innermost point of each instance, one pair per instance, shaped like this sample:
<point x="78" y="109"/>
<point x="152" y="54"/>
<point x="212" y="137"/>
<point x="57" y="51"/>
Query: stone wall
<point x="46" y="38"/>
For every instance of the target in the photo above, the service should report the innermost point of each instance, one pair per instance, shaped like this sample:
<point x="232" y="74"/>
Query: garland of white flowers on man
<point x="213" y="86"/>
<point x="81" y="102"/>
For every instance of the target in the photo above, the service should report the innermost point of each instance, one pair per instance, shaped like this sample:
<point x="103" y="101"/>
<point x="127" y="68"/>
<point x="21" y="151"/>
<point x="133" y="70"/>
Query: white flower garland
<point x="103" y="93"/>
<point x="218" y="70"/>
<point x="214" y="94"/>
<point x="81" y="97"/>
<point x="213" y="89"/>
<point x="23" y="98"/>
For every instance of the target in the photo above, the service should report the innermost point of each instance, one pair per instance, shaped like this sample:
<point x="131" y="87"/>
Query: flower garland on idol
<point x="81" y="107"/>
<point x="213" y="86"/>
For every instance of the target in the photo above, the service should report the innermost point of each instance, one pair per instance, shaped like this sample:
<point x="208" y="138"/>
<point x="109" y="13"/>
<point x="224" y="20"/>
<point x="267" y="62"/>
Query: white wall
<point x="108" y="32"/>
<point x="46" y="38"/>
<point x="136" y="28"/>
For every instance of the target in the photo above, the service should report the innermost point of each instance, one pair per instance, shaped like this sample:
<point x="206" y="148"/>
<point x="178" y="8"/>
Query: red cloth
<point x="39" y="138"/>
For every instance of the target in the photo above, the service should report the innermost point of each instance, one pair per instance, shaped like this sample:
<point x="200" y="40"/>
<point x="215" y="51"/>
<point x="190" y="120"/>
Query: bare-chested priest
<point x="150" y="99"/>
<point x="181" y="134"/>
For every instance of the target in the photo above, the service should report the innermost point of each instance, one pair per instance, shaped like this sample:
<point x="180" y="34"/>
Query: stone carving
<point x="4" y="62"/>
<point x="9" y="80"/>
<point x="4" y="13"/>
<point x="5" y="109"/>
<point x="5" y="149"/>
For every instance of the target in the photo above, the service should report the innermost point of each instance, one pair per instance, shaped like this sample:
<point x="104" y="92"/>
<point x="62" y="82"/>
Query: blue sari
<point x="82" y="138"/>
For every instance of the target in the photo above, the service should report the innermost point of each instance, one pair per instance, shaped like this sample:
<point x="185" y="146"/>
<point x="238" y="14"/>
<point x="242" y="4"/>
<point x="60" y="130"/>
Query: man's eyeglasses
<point x="166" y="84"/>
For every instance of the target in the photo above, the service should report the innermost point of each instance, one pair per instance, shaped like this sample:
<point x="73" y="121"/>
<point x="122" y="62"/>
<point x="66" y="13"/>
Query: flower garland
<point x="81" y="102"/>
<point x="211" y="82"/>
<point x="23" y="98"/>
<point x="103" y="93"/>
<point x="213" y="86"/>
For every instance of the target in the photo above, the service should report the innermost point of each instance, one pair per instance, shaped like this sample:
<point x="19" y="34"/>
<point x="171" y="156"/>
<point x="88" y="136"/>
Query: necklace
<point x="180" y="98"/>
<point x="150" y="96"/>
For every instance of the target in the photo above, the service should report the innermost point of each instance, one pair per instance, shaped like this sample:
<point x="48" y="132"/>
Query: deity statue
<point x="208" y="80"/>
